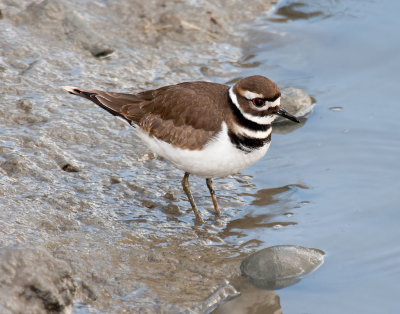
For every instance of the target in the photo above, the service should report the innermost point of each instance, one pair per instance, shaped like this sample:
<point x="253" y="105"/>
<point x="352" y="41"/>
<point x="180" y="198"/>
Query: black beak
<point x="283" y="113"/>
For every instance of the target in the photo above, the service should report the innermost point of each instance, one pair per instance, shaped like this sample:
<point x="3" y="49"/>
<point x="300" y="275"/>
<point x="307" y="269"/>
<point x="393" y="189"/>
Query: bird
<point x="206" y="129"/>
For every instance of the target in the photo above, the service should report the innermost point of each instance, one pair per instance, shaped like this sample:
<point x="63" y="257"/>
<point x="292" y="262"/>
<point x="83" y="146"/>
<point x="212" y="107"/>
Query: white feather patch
<point x="250" y="95"/>
<point x="252" y="134"/>
<point x="218" y="158"/>
<point x="69" y="89"/>
<point x="257" y="119"/>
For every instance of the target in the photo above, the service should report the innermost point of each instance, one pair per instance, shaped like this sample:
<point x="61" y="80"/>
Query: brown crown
<point x="260" y="85"/>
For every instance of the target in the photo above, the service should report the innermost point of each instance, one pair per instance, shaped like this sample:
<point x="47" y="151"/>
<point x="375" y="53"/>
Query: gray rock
<point x="296" y="101"/>
<point x="32" y="279"/>
<point x="280" y="266"/>
<point x="56" y="15"/>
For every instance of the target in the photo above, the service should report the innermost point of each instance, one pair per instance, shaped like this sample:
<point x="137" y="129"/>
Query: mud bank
<point x="76" y="182"/>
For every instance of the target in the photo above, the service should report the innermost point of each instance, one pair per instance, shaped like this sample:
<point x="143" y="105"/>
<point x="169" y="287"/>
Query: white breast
<point x="218" y="158"/>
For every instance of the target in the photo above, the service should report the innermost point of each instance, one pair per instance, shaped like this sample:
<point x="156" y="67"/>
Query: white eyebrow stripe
<point x="257" y="119"/>
<point x="274" y="103"/>
<point x="250" y="95"/>
<point x="268" y="104"/>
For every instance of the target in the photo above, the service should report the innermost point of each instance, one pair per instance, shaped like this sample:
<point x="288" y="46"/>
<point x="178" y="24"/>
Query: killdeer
<point x="206" y="129"/>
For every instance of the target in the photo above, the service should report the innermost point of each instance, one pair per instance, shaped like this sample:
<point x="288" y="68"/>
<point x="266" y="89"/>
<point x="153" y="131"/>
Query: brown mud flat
<point x="78" y="185"/>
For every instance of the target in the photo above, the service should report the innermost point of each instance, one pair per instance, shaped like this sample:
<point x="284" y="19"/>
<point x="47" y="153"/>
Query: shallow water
<point x="341" y="169"/>
<point x="122" y="221"/>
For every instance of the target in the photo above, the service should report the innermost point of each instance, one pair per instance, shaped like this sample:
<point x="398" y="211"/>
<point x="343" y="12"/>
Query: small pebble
<point x="25" y="105"/>
<point x="70" y="168"/>
<point x="115" y="180"/>
<point x="172" y="209"/>
<point x="170" y="196"/>
<point x="149" y="204"/>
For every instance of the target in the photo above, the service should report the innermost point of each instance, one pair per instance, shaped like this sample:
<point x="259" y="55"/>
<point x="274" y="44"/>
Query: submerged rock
<point x="280" y="266"/>
<point x="296" y="101"/>
<point x="35" y="282"/>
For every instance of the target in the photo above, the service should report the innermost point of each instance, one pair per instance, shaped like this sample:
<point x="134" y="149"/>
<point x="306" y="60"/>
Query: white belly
<point x="218" y="158"/>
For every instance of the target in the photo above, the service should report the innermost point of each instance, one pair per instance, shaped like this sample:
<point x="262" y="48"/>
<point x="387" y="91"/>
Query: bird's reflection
<point x="265" y="197"/>
<point x="275" y="203"/>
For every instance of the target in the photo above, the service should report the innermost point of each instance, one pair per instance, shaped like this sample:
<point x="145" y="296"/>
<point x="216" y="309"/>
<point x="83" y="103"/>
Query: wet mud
<point x="80" y="194"/>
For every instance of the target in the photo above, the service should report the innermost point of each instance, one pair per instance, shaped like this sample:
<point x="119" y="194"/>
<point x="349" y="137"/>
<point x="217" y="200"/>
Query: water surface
<point x="341" y="168"/>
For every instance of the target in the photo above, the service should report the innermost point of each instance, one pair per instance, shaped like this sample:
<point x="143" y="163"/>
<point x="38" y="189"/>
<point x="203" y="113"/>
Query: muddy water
<point x="78" y="183"/>
<point x="339" y="174"/>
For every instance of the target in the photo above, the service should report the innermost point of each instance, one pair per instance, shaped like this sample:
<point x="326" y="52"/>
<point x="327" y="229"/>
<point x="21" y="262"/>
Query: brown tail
<point x="97" y="98"/>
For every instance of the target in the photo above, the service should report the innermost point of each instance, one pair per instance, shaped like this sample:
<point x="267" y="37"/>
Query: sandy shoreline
<point x="67" y="171"/>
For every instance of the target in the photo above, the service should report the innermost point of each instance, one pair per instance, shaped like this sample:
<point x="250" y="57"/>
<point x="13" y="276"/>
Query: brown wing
<point x="185" y="115"/>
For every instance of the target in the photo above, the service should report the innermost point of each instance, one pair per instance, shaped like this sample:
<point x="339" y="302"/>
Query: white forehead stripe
<point x="274" y="103"/>
<point x="250" y="95"/>
<point x="257" y="119"/>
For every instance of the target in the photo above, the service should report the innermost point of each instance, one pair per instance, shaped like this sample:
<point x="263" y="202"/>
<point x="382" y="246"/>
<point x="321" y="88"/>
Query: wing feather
<point x="186" y="115"/>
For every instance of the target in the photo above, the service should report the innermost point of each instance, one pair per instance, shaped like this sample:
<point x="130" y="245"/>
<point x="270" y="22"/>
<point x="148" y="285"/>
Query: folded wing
<point x="178" y="114"/>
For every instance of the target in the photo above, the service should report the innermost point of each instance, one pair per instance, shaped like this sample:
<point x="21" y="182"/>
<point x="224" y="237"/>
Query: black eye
<point x="259" y="102"/>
